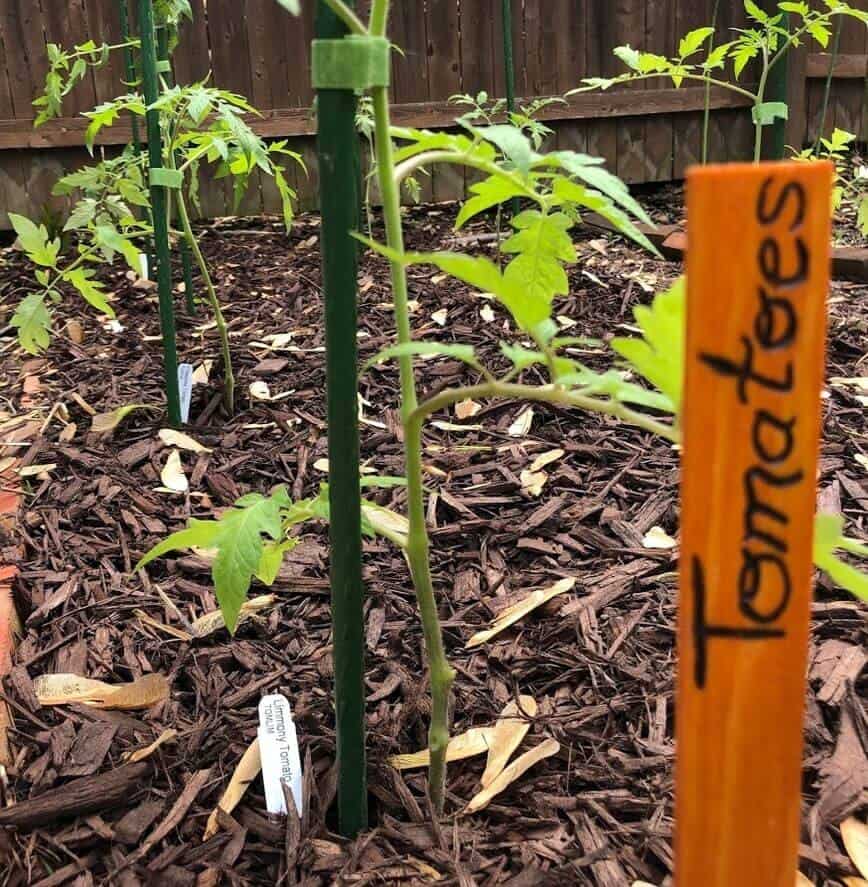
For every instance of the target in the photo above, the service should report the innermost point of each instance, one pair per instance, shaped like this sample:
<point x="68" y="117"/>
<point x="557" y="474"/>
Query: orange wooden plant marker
<point x="757" y="272"/>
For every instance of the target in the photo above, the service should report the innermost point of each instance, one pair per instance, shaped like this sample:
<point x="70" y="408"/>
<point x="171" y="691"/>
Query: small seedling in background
<point x="766" y="41"/>
<point x="848" y="188"/>
<point x="202" y="125"/>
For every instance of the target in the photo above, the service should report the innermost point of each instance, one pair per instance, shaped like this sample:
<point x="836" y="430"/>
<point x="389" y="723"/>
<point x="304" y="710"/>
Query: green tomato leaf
<point x="755" y="12"/>
<point x="766" y="113"/>
<point x="512" y="142"/>
<point x="271" y="560"/>
<point x="628" y="55"/>
<point x="829" y="536"/>
<point x="111" y="240"/>
<point x="659" y="355"/>
<point x="198" y="534"/>
<point x="33" y="322"/>
<point x="35" y="242"/>
<point x="91" y="290"/>
<point x="821" y="32"/>
<point x="743" y="53"/>
<point x="489" y="192"/>
<point x="717" y="57"/>
<point x="463" y="353"/>
<point x="800" y="8"/>
<point x="601" y="180"/>
<point x="692" y="41"/>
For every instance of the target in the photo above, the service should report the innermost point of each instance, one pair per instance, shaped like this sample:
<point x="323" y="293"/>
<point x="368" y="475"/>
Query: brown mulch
<point x="599" y="660"/>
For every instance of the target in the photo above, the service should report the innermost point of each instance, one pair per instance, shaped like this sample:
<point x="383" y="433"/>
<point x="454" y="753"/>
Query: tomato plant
<point x="200" y="125"/>
<point x="250" y="540"/>
<point x="849" y="187"/>
<point x="766" y="41"/>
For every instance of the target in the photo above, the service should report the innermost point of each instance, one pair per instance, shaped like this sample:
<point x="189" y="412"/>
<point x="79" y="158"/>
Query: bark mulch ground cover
<point x="599" y="660"/>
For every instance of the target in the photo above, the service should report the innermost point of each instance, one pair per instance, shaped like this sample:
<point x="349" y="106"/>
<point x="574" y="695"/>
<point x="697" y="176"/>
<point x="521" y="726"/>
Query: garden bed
<point x="599" y="660"/>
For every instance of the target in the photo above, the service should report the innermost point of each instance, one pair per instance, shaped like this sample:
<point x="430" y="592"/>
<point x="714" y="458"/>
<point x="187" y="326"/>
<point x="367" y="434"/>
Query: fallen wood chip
<point x="144" y="753"/>
<point x="89" y="794"/>
<point x="854" y="834"/>
<point x="214" y="621"/>
<point x="507" y="736"/>
<point x="509" y="775"/>
<point x="64" y="689"/>
<point x="247" y="770"/>
<point x="518" y="610"/>
<point x="475" y="741"/>
<point x="105" y="423"/>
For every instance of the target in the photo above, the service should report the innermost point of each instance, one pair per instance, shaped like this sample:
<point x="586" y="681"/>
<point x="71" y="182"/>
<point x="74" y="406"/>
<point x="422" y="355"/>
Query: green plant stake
<point x="165" y="62"/>
<point x="827" y="89"/>
<point x="509" y="73"/>
<point x="777" y="91"/>
<point x="131" y="77"/>
<point x="129" y="64"/>
<point x="337" y="145"/>
<point x="150" y="87"/>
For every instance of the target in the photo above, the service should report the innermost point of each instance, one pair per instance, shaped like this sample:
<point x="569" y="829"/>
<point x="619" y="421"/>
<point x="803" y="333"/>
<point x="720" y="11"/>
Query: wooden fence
<point x="648" y="132"/>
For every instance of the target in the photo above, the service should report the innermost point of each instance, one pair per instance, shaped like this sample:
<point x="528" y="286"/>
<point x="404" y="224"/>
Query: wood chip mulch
<point x="599" y="660"/>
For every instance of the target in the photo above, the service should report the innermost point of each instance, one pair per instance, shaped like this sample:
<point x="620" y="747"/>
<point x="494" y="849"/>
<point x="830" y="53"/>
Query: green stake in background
<point x="129" y="66"/>
<point x="164" y="64"/>
<point x="338" y="149"/>
<point x="509" y="72"/>
<point x="777" y="90"/>
<point x="158" y="208"/>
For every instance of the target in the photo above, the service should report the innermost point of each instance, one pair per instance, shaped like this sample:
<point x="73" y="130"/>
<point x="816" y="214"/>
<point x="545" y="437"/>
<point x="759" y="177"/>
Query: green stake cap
<point x="353" y="62"/>
<point x="166" y="178"/>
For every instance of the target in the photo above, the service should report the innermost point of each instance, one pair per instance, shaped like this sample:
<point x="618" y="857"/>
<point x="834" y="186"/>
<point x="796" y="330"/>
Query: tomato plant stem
<point x="213" y="301"/>
<point x="441" y="673"/>
<point x="546" y="394"/>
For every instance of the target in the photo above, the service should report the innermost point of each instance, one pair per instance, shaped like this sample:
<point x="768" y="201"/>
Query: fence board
<point x="192" y="59"/>
<point x="20" y="28"/>
<point x="444" y="79"/>
<point x="659" y="131"/>
<point x="849" y="93"/>
<point x="687" y="131"/>
<point x="648" y="133"/>
<point x="599" y="41"/>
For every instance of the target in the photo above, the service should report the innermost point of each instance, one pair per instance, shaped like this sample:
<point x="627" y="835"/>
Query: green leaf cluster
<point x="105" y="225"/>
<point x="560" y="185"/>
<point x="66" y="68"/>
<point x="829" y="539"/>
<point x="251" y="539"/>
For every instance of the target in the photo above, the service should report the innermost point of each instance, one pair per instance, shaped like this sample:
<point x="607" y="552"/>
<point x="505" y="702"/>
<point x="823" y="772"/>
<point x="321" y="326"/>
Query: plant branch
<point x="684" y="76"/>
<point x="428" y="158"/>
<point x="193" y="243"/>
<point x="547" y="394"/>
<point x="347" y="16"/>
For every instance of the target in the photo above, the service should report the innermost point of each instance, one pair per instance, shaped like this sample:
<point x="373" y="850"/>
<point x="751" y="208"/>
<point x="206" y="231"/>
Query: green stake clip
<point x="164" y="66"/>
<point x="353" y="62"/>
<point x="166" y="178"/>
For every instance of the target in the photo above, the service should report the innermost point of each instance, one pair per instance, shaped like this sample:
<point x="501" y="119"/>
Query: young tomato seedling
<point x="250" y="540"/>
<point x="767" y="41"/>
<point x="201" y="125"/>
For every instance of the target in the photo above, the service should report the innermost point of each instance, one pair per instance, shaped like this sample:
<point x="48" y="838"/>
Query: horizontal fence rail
<point x="647" y="132"/>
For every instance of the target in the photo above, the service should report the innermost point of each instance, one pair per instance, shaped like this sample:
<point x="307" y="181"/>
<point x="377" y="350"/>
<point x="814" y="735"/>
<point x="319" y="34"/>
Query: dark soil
<point x="599" y="660"/>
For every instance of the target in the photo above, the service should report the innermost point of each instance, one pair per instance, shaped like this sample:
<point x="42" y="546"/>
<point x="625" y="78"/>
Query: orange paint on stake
<point x="758" y="269"/>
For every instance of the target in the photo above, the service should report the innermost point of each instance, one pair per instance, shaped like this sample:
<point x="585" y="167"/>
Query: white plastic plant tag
<point x="185" y="388"/>
<point x="143" y="266"/>
<point x="278" y="748"/>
